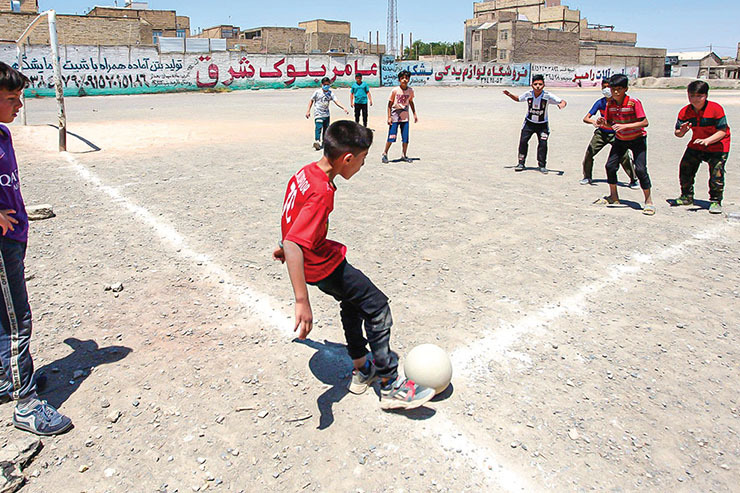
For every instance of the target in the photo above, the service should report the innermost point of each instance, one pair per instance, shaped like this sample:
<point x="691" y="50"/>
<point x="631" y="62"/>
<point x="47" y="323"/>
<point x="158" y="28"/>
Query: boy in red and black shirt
<point x="312" y="259"/>
<point x="710" y="142"/>
<point x="627" y="118"/>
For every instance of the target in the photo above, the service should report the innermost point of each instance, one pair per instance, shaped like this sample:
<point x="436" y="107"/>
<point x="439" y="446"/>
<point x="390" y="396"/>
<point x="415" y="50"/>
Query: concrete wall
<point x="455" y="73"/>
<point x="133" y="70"/>
<point x="75" y="29"/>
<point x="579" y="75"/>
<point x="166" y="21"/>
<point x="650" y="61"/>
<point x="543" y="45"/>
<point x="324" y="26"/>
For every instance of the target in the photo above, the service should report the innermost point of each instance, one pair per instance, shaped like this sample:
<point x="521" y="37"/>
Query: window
<point x="502" y="54"/>
<point x="476" y="37"/>
<point x="15" y="5"/>
<point x="504" y="34"/>
<point x="156" y="35"/>
<point x="181" y="33"/>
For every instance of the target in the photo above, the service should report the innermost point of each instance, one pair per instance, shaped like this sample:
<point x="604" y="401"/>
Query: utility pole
<point x="391" y="37"/>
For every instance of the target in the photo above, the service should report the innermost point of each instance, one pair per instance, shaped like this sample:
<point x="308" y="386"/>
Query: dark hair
<point x="698" y="87"/>
<point x="325" y="80"/>
<point x="11" y="79"/>
<point x="619" y="80"/>
<point x="604" y="82"/>
<point x="358" y="75"/>
<point x="537" y="77"/>
<point x="404" y="73"/>
<point x="346" y="136"/>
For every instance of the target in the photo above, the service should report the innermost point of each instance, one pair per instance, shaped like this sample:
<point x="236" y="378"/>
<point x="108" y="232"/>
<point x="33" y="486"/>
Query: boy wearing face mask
<point x="602" y="138"/>
<point x="322" y="98"/>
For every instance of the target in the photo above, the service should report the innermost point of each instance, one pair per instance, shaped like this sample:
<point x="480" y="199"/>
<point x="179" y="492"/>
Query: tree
<point x="420" y="48"/>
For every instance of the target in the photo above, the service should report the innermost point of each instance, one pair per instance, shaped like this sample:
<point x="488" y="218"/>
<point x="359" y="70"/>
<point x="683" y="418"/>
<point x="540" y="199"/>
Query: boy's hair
<point x="698" y="87"/>
<point x="358" y="76"/>
<point x="11" y="79"/>
<point x="346" y="136"/>
<point x="537" y="77"/>
<point x="325" y="80"/>
<point x="604" y="82"/>
<point x="619" y="80"/>
<point x="404" y="73"/>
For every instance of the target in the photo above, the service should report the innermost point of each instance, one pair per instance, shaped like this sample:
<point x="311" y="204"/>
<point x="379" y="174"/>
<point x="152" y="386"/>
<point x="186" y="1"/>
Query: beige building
<point x="163" y="23"/>
<point x="324" y="36"/>
<point x="545" y="31"/>
<point x="26" y="6"/>
<point x="272" y="39"/>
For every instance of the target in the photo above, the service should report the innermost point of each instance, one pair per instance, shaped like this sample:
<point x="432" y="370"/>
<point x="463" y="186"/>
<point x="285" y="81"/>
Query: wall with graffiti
<point x="457" y="73"/>
<point x="581" y="76"/>
<point x="129" y="70"/>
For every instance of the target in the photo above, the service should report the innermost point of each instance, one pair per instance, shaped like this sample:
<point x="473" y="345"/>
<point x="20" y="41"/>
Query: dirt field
<point x="595" y="349"/>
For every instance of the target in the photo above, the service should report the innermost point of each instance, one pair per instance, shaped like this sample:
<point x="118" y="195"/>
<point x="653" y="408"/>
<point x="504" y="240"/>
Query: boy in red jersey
<point x="710" y="142"/>
<point x="626" y="117"/>
<point x="312" y="259"/>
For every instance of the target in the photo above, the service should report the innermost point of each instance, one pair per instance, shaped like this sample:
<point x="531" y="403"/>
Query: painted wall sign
<point x="457" y="73"/>
<point x="129" y="70"/>
<point x="582" y="75"/>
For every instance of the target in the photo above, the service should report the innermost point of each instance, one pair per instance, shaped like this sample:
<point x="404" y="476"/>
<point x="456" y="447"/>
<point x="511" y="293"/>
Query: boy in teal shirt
<point x="360" y="97"/>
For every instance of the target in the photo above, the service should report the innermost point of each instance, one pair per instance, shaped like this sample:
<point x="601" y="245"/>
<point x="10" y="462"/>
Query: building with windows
<point x="163" y="23"/>
<point x="545" y="31"/>
<point x="19" y="6"/>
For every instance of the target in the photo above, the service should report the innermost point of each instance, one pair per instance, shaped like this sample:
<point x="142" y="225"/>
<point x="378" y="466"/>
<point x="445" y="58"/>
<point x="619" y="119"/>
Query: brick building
<point x="545" y="31"/>
<point x="26" y="6"/>
<point x="324" y="36"/>
<point x="163" y="23"/>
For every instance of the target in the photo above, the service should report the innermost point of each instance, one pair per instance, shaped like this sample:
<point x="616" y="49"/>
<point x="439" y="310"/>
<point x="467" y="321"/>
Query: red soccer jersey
<point x="308" y="202"/>
<point x="704" y="124"/>
<point x="630" y="111"/>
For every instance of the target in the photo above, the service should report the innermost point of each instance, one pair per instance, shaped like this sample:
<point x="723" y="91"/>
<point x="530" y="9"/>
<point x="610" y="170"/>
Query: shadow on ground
<point x="86" y="355"/>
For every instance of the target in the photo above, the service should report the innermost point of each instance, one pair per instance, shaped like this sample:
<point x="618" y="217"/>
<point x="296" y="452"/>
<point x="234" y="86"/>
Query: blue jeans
<point x="321" y="125"/>
<point x="360" y="301"/>
<point x="17" y="377"/>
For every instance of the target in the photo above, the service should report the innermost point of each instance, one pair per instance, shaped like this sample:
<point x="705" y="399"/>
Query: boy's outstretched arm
<point x="589" y="118"/>
<point x="303" y="314"/>
<point x="513" y="97"/>
<point x="308" y="111"/>
<point x="712" y="139"/>
<point x="340" y="105"/>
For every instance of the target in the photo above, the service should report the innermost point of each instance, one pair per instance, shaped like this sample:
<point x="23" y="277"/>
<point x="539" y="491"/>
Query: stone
<point x="84" y="467"/>
<point x="14" y="457"/>
<point x="573" y="434"/>
<point x="104" y="403"/>
<point x="40" y="212"/>
<point x="114" y="416"/>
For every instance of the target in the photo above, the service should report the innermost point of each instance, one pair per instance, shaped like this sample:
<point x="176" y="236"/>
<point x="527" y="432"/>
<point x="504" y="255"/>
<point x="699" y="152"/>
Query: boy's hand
<point x="279" y="254"/>
<point x="684" y="128"/>
<point x="618" y="127"/>
<point x="390" y="121"/>
<point x="303" y="319"/>
<point x="562" y="104"/>
<point x="352" y="104"/>
<point x="308" y="115"/>
<point x="601" y="122"/>
<point x="416" y="118"/>
<point x="7" y="221"/>
<point x="701" y="142"/>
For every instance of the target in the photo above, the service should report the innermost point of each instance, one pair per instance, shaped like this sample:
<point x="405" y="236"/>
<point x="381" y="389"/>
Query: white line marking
<point x="258" y="304"/>
<point x="475" y="357"/>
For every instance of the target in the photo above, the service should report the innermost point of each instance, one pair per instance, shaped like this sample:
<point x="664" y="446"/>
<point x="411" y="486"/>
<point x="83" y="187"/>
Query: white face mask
<point x="607" y="92"/>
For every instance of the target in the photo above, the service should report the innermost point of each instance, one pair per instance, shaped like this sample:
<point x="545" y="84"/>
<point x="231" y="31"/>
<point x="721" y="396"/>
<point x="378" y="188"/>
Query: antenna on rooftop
<point x="391" y="37"/>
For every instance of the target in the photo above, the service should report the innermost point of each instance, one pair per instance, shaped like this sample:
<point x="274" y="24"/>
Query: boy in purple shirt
<point x="17" y="378"/>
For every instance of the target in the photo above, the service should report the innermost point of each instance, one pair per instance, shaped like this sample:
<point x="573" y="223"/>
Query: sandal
<point x="648" y="210"/>
<point x="607" y="201"/>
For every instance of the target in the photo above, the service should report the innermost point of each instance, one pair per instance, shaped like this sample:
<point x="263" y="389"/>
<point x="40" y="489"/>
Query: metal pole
<point x="21" y="50"/>
<point x="369" y="42"/>
<point x="377" y="41"/>
<point x="401" y="46"/>
<point x="411" y="43"/>
<point x="58" y="83"/>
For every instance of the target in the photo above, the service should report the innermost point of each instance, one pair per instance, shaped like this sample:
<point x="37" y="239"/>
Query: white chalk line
<point x="256" y="303"/>
<point x="262" y="306"/>
<point x="496" y="346"/>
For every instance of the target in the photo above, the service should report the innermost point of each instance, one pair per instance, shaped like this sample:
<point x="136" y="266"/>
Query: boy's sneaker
<point x="519" y="167"/>
<point x="634" y="185"/>
<point x="362" y="378"/>
<point x="543" y="170"/>
<point x="317" y="145"/>
<point x="684" y="200"/>
<point x="404" y="394"/>
<point x="406" y="159"/>
<point x="40" y="418"/>
<point x="585" y="181"/>
<point x="384" y="159"/>
<point x="715" y="208"/>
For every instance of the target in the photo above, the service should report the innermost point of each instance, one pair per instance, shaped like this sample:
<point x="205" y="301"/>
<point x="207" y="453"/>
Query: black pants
<point x="17" y="377"/>
<point x="361" y="108"/>
<point x="690" y="163"/>
<point x="638" y="147"/>
<point x="360" y="301"/>
<point x="543" y="133"/>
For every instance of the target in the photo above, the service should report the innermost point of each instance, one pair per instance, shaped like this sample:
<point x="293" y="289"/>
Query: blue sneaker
<point x="40" y="418"/>
<point x="362" y="378"/>
<point x="404" y="394"/>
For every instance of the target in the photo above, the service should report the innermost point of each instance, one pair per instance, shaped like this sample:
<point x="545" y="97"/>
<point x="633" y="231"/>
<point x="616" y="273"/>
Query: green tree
<point x="420" y="48"/>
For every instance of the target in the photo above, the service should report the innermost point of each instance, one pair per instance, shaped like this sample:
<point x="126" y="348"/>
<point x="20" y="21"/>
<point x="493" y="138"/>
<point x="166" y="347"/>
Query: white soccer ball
<point x="429" y="365"/>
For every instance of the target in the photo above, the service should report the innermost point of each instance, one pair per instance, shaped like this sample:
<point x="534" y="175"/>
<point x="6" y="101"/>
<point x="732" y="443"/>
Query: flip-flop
<point x="648" y="210"/>
<point x="606" y="201"/>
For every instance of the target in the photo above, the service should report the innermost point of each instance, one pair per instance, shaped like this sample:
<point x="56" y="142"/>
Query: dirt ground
<point x="594" y="349"/>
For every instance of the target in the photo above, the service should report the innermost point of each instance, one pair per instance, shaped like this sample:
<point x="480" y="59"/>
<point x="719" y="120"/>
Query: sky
<point x="678" y="25"/>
